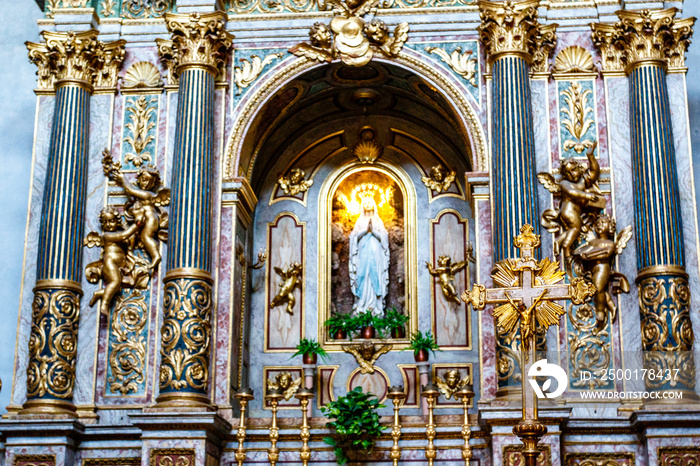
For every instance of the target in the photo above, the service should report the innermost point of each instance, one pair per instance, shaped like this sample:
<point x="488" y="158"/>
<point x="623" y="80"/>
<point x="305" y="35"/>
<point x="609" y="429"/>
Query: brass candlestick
<point x="430" y="392"/>
<point x="397" y="396"/>
<point x="465" y="394"/>
<point x="305" y="395"/>
<point x="274" y="395"/>
<point x="244" y="395"/>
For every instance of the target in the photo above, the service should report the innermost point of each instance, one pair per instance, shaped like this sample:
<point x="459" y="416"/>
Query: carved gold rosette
<point x="185" y="338"/>
<point x="78" y="58"/>
<point x="53" y="347"/>
<point x="198" y="40"/>
<point x="644" y="37"/>
<point x="511" y="28"/>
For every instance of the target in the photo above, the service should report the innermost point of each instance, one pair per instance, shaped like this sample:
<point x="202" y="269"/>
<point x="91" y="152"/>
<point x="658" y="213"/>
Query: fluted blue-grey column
<point x="197" y="50"/>
<point x="512" y="37"/>
<point x="653" y="41"/>
<point x="68" y="64"/>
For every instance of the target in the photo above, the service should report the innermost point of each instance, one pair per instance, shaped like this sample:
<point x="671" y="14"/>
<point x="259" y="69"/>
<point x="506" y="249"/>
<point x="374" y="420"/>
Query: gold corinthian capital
<point x="644" y="37"/>
<point x="77" y="58"/>
<point x="511" y="28"/>
<point x="198" y="41"/>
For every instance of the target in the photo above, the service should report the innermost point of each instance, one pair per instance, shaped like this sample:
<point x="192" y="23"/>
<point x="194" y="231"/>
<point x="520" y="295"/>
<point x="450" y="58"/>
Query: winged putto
<point x="142" y="226"/>
<point x="349" y="37"/>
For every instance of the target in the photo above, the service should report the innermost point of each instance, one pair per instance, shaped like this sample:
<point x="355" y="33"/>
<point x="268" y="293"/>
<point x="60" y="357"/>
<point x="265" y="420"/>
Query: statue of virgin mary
<point x="369" y="260"/>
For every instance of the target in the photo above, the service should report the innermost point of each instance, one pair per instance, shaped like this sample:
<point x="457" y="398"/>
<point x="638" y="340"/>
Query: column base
<point x="54" y="408"/>
<point x="183" y="401"/>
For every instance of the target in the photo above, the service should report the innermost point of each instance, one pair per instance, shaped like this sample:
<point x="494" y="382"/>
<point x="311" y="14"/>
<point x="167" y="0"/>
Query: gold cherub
<point x="117" y="266"/>
<point x="453" y="382"/>
<point x="579" y="194"/>
<point x="367" y="354"/>
<point x="595" y="259"/>
<point x="445" y="272"/>
<point x="294" y="183"/>
<point x="283" y="381"/>
<point x="439" y="179"/>
<point x="291" y="278"/>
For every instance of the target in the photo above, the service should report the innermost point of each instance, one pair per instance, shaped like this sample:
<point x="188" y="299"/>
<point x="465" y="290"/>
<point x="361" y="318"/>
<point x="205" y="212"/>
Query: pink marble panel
<point x="450" y="319"/>
<point x="285" y="245"/>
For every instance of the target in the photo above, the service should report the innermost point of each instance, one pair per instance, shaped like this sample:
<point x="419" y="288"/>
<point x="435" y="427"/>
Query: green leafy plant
<point x="420" y="341"/>
<point x="367" y="319"/>
<point x="310" y="346"/>
<point x="356" y="423"/>
<point x="340" y="322"/>
<point x="394" y="319"/>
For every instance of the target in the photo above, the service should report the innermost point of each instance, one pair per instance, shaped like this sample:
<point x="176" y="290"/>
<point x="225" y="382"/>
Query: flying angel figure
<point x="595" y="260"/>
<point x="445" y="272"/>
<point x="291" y="278"/>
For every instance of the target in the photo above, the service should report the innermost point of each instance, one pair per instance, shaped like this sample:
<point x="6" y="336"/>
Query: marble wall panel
<point x="451" y="320"/>
<point x="411" y="385"/>
<point x="44" y="119"/>
<point x="286" y="245"/>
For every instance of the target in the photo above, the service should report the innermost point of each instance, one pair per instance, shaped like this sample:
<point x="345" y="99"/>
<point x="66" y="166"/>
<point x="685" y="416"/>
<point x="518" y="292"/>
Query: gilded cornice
<point x="198" y="40"/>
<point x="78" y="58"/>
<point x="643" y="36"/>
<point x="511" y="28"/>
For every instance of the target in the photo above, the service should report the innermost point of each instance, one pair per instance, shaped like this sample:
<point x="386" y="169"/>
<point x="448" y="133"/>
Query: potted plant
<point x="356" y="424"/>
<point x="310" y="350"/>
<point x="367" y="323"/>
<point x="421" y="343"/>
<point x="395" y="322"/>
<point x="340" y="326"/>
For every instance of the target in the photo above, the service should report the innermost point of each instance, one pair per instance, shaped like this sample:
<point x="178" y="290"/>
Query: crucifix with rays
<point x="527" y="293"/>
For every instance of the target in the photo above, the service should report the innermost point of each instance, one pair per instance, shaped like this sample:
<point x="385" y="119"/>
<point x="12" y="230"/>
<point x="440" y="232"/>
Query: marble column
<point x="70" y="64"/>
<point x="645" y="45"/>
<point x="515" y="44"/>
<point x="195" y="55"/>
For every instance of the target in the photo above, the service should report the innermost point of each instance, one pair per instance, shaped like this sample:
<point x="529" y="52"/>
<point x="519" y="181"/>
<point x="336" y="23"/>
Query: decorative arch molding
<point x="291" y="68"/>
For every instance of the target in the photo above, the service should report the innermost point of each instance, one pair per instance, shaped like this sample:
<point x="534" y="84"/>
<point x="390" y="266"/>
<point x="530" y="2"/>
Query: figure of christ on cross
<point x="527" y="293"/>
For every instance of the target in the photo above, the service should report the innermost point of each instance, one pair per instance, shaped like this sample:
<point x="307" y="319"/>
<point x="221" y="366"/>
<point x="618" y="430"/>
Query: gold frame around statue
<point x="325" y="204"/>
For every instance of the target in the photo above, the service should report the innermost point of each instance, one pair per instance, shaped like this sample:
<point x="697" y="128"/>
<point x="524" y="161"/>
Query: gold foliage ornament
<point x="461" y="63"/>
<point x="197" y="40"/>
<point x="53" y="343"/>
<point x="366" y="354"/>
<point x="577" y="120"/>
<point x="294" y="183"/>
<point x="249" y="70"/>
<point x="143" y="226"/>
<point x="285" y="383"/>
<point x="452" y="383"/>
<point x="127" y="357"/>
<point x="349" y="37"/>
<point x="439" y="180"/>
<point x="140" y="126"/>
<point x="291" y="278"/>
<point x="187" y="318"/>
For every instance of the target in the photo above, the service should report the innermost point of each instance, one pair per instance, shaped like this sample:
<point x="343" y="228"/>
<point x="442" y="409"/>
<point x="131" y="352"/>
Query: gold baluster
<point x="244" y="395"/>
<point x="398" y="396"/>
<point x="465" y="394"/>
<point x="305" y="395"/>
<point x="274" y="395"/>
<point x="430" y="392"/>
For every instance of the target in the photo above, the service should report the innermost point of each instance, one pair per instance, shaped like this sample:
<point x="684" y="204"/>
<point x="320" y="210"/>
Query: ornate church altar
<point x="215" y="179"/>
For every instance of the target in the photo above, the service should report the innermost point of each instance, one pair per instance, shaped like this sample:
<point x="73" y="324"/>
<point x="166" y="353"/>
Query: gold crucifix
<point x="528" y="290"/>
<point x="527" y="293"/>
